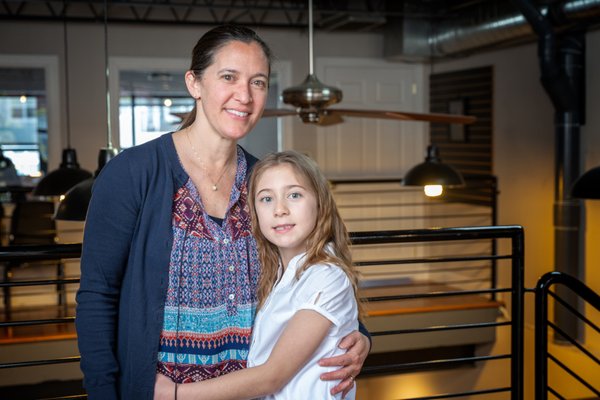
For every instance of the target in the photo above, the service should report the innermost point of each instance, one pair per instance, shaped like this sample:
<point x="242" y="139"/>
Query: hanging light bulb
<point x="433" y="190"/>
<point x="69" y="173"/>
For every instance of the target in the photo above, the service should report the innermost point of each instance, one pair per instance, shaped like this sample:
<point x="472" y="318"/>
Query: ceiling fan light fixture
<point x="312" y="93"/>
<point x="433" y="172"/>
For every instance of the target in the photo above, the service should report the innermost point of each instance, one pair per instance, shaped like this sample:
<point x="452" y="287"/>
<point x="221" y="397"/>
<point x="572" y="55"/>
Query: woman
<point x="169" y="264"/>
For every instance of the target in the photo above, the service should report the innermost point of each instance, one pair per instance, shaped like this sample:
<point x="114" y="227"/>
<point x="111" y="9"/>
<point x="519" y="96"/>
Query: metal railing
<point x="543" y="324"/>
<point x="359" y="239"/>
<point x="512" y="259"/>
<point x="515" y="260"/>
<point x="384" y="204"/>
<point x="28" y="253"/>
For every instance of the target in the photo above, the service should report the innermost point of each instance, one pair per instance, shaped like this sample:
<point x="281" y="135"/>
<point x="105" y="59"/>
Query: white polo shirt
<point x="323" y="288"/>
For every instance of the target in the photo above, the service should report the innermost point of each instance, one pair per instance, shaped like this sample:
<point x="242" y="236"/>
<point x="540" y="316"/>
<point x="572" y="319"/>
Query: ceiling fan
<point x="312" y="98"/>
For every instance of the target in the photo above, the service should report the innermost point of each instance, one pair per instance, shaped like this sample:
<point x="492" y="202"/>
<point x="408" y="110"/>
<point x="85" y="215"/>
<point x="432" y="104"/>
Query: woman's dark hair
<point x="211" y="42"/>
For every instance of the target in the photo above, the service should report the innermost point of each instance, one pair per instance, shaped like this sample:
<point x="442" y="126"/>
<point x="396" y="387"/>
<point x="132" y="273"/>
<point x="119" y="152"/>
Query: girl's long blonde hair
<point x="329" y="230"/>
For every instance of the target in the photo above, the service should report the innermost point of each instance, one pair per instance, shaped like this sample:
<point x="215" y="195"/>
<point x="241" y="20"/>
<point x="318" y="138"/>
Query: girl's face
<point x="286" y="208"/>
<point x="232" y="91"/>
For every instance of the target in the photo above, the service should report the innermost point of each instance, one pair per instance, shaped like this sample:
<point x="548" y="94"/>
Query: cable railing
<point x="543" y="326"/>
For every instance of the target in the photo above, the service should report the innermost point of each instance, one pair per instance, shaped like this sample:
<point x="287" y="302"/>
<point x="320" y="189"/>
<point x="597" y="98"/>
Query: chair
<point x="32" y="223"/>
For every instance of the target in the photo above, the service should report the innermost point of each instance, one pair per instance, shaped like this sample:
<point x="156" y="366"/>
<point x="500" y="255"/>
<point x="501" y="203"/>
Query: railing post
<point x="517" y="311"/>
<point x="541" y="340"/>
<point x="494" y="210"/>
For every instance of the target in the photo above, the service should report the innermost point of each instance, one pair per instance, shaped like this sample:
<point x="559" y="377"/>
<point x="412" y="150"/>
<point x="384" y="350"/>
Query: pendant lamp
<point x="587" y="186"/>
<point x="74" y="206"/>
<point x="69" y="173"/>
<point x="433" y="174"/>
<point x="8" y="172"/>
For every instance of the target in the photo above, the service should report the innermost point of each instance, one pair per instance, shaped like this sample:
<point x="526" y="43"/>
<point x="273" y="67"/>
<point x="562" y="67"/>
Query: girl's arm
<point x="299" y="340"/>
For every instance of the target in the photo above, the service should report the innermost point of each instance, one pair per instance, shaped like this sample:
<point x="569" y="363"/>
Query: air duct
<point x="414" y="39"/>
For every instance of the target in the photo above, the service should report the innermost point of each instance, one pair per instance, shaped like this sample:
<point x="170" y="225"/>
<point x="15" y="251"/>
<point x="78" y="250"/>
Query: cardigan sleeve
<point x="110" y="223"/>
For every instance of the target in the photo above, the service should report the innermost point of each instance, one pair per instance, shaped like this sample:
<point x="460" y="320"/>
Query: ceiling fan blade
<point x="405" y="116"/>
<point x="328" y="119"/>
<point x="278" y="112"/>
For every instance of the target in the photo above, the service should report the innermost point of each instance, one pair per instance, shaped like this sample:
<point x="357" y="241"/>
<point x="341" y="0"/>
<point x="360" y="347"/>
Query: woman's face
<point x="232" y="91"/>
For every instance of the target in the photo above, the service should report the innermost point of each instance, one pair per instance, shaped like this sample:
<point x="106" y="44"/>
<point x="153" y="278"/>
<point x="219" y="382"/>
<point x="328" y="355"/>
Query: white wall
<point x="86" y="65"/>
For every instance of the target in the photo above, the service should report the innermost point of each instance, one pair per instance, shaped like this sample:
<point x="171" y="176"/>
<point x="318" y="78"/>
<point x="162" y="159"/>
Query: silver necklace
<point x="215" y="184"/>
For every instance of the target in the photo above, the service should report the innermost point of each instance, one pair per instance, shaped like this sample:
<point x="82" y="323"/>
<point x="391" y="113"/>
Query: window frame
<point x="55" y="101"/>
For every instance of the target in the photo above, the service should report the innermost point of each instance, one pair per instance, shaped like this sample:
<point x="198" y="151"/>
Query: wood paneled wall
<point x="468" y="147"/>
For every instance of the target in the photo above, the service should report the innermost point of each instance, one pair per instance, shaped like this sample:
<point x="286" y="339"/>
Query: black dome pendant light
<point x="587" y="186"/>
<point x="68" y="174"/>
<point x="433" y="174"/>
<point x="75" y="204"/>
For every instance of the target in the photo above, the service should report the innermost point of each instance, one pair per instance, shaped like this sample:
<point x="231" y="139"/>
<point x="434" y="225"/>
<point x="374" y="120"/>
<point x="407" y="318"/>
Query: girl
<point x="307" y="289"/>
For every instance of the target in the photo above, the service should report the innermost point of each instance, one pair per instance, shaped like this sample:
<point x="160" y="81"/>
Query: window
<point x="150" y="104"/>
<point x="23" y="119"/>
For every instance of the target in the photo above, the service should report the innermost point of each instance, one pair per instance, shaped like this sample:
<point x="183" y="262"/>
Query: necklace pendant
<point x="214" y="188"/>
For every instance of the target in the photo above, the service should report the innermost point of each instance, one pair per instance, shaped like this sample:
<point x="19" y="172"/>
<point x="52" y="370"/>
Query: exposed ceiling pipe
<point x="490" y="24"/>
<point x="562" y="67"/>
<point x="457" y="37"/>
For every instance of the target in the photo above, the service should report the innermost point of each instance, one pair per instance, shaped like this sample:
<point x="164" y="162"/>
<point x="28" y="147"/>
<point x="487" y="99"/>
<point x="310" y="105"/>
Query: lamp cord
<point x="108" y="126"/>
<point x="66" y="62"/>
<point x="310" y="38"/>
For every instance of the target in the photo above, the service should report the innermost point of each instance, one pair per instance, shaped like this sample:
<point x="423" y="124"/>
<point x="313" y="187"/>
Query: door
<point x="366" y="147"/>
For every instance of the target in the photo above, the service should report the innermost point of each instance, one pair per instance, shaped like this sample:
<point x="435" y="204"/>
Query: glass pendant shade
<point x="587" y="186"/>
<point x="59" y="181"/>
<point x="75" y="204"/>
<point x="433" y="172"/>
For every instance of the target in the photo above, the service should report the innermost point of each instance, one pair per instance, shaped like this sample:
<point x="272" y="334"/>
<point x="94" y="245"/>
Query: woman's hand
<point x="357" y="346"/>
<point x="164" y="388"/>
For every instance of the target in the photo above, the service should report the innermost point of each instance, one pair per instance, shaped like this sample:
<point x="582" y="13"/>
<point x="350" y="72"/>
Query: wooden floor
<point x="66" y="330"/>
<point x="423" y="304"/>
<point x="38" y="332"/>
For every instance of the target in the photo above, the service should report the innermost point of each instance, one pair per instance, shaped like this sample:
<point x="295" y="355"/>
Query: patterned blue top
<point x="211" y="296"/>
